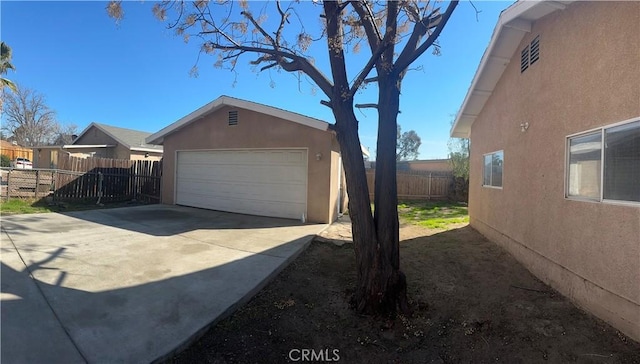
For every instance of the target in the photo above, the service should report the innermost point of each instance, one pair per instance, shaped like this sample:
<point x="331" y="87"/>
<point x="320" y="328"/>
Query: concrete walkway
<point x="131" y="285"/>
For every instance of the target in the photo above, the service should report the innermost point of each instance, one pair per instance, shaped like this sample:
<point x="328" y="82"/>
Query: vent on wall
<point x="524" y="59"/>
<point x="535" y="49"/>
<point x="233" y="117"/>
<point x="530" y="54"/>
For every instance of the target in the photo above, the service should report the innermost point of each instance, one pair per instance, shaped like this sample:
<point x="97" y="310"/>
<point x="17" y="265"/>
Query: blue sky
<point x="136" y="74"/>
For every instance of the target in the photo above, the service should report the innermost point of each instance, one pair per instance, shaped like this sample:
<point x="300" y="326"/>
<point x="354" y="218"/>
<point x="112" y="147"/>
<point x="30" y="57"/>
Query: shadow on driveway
<point x="134" y="284"/>
<point x="157" y="220"/>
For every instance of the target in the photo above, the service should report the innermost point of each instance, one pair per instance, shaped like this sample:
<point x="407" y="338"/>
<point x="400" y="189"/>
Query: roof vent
<point x="530" y="54"/>
<point x="233" y="117"/>
<point x="524" y="59"/>
<point x="535" y="50"/>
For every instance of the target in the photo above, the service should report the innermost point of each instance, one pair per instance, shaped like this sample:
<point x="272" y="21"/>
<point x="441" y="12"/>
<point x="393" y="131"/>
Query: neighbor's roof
<point x="158" y="138"/>
<point x="5" y="144"/>
<point x="513" y="24"/>
<point x="132" y="139"/>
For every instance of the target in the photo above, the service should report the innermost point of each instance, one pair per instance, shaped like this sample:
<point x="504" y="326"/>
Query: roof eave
<point x="150" y="150"/>
<point x="87" y="146"/>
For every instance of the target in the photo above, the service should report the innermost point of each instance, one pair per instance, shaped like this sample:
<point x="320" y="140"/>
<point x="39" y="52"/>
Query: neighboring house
<point x="240" y="156"/>
<point x="100" y="140"/>
<point x="553" y="114"/>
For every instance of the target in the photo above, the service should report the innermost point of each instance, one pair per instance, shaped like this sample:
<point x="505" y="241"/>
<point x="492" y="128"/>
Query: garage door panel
<point x="290" y="193"/>
<point x="259" y="182"/>
<point x="261" y="173"/>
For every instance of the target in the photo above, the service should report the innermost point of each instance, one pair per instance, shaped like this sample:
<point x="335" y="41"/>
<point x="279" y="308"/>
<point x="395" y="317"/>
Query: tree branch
<point x="283" y="19"/>
<point x="335" y="45"/>
<point x="391" y="31"/>
<point x="366" y="106"/>
<point x="408" y="57"/>
<point x="260" y="29"/>
<point x="367" y="20"/>
<point x="375" y="57"/>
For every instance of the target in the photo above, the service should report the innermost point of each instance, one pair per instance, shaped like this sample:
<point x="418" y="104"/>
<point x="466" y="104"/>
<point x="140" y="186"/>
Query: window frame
<point x="599" y="130"/>
<point x="483" y="167"/>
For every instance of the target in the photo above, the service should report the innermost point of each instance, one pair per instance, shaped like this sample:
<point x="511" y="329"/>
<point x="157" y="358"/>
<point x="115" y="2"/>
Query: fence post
<point x="8" y="183"/>
<point x="429" y="194"/>
<point x="37" y="183"/>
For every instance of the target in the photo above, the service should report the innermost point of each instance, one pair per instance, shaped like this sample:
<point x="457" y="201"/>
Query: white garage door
<point x="265" y="182"/>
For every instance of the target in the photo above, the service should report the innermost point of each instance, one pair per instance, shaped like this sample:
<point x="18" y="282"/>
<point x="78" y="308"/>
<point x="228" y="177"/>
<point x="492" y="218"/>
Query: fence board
<point x="416" y="186"/>
<point x="109" y="179"/>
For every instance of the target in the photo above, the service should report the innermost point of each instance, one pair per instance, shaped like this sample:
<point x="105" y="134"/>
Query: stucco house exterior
<point x="553" y="116"/>
<point x="244" y="157"/>
<point x="104" y="141"/>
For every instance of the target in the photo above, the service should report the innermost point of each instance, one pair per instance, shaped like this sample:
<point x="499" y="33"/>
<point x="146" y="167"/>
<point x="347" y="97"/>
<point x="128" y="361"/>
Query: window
<point x="233" y="117"/>
<point x="530" y="54"/>
<point x="492" y="171"/>
<point x="584" y="166"/>
<point x="605" y="164"/>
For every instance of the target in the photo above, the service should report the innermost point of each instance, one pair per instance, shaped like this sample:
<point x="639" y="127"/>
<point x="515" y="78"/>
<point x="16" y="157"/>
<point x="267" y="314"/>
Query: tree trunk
<point x="362" y="226"/>
<point x="390" y="283"/>
<point x="381" y="286"/>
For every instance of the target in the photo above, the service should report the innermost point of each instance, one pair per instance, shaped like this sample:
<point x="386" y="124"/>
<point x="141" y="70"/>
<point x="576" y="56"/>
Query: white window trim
<point x="601" y="198"/>
<point x="482" y="181"/>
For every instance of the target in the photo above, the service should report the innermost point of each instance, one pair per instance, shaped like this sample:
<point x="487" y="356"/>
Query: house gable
<point x="93" y="135"/>
<point x="513" y="25"/>
<point x="230" y="102"/>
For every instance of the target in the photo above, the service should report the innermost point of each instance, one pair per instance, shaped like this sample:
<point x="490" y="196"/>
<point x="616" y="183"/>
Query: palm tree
<point x="5" y="65"/>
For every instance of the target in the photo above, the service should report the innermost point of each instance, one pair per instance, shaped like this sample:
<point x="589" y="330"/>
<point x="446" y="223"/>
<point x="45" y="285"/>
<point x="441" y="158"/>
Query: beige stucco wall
<point x="338" y="185"/>
<point x="588" y="76"/>
<point x="256" y="130"/>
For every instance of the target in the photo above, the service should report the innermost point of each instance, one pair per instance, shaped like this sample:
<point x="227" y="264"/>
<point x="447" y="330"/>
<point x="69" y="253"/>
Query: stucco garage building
<point x="239" y="156"/>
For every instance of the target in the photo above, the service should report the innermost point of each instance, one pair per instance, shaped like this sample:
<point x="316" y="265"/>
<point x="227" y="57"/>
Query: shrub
<point x="5" y="161"/>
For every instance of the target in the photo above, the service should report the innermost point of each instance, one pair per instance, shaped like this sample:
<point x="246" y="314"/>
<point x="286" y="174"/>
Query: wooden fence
<point x="417" y="186"/>
<point x="17" y="152"/>
<point x="103" y="179"/>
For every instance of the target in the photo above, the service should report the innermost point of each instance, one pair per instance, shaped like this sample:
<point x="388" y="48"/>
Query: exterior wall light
<point x="318" y="156"/>
<point x="524" y="126"/>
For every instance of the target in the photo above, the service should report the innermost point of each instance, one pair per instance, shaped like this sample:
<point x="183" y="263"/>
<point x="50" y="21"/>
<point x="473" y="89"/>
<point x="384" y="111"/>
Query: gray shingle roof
<point x="129" y="137"/>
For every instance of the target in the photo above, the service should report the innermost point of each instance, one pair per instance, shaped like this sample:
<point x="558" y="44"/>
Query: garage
<point x="240" y="156"/>
<point x="265" y="182"/>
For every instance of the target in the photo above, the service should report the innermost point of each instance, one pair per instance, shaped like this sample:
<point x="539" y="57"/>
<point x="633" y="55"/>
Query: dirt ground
<point x="472" y="302"/>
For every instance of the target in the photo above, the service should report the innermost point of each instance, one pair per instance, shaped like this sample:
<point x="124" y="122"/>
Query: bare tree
<point x="407" y="145"/>
<point x="66" y="134"/>
<point x="29" y="119"/>
<point x="397" y="34"/>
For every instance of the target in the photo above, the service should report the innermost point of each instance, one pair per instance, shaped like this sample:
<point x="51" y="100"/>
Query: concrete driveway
<point x="131" y="285"/>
